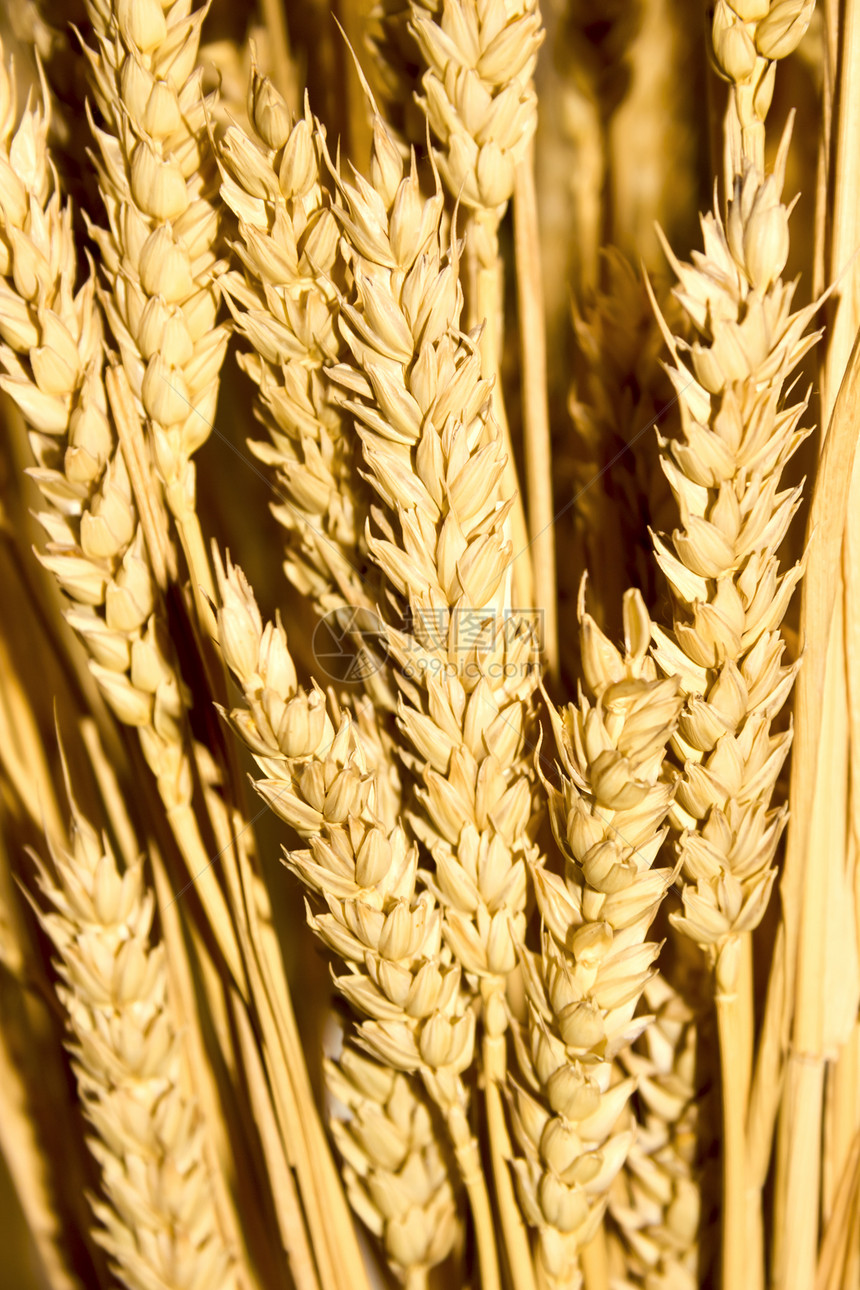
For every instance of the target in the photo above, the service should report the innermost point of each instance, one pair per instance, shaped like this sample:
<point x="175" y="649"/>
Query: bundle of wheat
<point x="493" y="973"/>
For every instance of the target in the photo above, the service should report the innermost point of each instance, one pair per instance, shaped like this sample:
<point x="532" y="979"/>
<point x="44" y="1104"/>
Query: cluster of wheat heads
<point x="429" y="808"/>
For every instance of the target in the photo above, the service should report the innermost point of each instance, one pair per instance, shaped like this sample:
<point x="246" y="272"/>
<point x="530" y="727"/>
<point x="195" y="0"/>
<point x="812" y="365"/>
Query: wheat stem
<point x="595" y="1263"/>
<point x="472" y="1172"/>
<point x="489" y="309"/>
<point x="279" y="58"/>
<point x="734" y="1017"/>
<point x="800" y="883"/>
<point x="840" y="1236"/>
<point x="536" y="431"/>
<point x="514" y="1232"/>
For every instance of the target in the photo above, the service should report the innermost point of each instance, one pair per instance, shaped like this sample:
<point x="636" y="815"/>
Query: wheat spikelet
<point x="396" y="1175"/>
<point x="158" y="1221"/>
<point x="583" y="988"/>
<point x="160" y="250"/>
<point x="749" y="36"/>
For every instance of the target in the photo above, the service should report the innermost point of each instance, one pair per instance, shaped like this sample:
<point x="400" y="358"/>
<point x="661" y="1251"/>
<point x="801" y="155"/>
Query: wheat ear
<point x="54" y="363"/>
<point x="101" y="560"/>
<point x="479" y="98"/>
<point x="464" y="657"/>
<point x="655" y="1201"/>
<point x="396" y="1173"/>
<point x="40" y="1132"/>
<point x="157" y="1221"/>
<point x="748" y="38"/>
<point x="160" y="250"/>
<point x="284" y="302"/>
<point x="608" y="816"/>
<point x="98" y="554"/>
<point x="363" y="875"/>
<point x="739" y="429"/>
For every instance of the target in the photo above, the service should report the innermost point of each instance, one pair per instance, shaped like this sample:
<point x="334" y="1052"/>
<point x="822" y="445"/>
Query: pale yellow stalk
<point x="825" y="983"/>
<point x="538" y="463"/>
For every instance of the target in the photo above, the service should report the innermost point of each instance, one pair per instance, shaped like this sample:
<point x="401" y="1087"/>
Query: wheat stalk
<point x="388" y="933"/>
<point x="121" y="621"/>
<point x="524" y="1093"/>
<point x="463" y="653"/>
